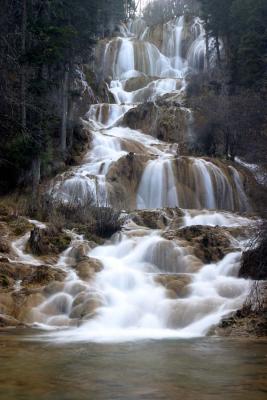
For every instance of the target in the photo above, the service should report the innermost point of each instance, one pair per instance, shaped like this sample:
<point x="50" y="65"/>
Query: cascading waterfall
<point x="172" y="40"/>
<point x="157" y="188"/>
<point x="126" y="298"/>
<point x="125" y="302"/>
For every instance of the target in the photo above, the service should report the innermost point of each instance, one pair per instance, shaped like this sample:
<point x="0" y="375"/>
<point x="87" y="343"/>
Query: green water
<point x="201" y="369"/>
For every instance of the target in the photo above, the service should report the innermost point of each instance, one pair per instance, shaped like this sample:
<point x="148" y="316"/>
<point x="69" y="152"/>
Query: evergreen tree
<point x="241" y="24"/>
<point x="41" y="41"/>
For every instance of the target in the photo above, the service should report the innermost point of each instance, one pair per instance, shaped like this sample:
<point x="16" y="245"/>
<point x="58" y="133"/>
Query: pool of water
<point x="202" y="369"/>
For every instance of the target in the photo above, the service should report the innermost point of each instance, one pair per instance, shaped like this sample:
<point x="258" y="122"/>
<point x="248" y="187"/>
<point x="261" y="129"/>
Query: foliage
<point x="41" y="43"/>
<point x="254" y="260"/>
<point x="159" y="11"/>
<point x="242" y="26"/>
<point x="226" y="123"/>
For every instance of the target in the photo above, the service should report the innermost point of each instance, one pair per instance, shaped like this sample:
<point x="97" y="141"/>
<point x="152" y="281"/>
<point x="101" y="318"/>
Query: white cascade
<point x="157" y="188"/>
<point x="126" y="299"/>
<point x="131" y="305"/>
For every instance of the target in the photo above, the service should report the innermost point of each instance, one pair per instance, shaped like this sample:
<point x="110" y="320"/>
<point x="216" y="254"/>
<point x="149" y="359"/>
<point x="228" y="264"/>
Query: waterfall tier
<point x="168" y="273"/>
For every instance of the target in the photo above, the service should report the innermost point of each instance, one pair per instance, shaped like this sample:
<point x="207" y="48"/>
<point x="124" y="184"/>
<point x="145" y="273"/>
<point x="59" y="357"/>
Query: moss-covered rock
<point x="19" y="226"/>
<point x="175" y="284"/>
<point x="88" y="267"/>
<point x="209" y="244"/>
<point x="47" y="241"/>
<point x="42" y="275"/>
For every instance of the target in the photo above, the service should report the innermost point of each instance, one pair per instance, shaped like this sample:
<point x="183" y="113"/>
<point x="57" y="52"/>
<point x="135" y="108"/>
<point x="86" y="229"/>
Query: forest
<point x="133" y="192"/>
<point x="41" y="43"/>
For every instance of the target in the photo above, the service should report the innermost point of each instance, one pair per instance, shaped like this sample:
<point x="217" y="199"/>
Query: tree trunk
<point x="23" y="71"/>
<point x="63" y="135"/>
<point x="227" y="144"/>
<point x="218" y="52"/>
<point x="207" y="51"/>
<point x="36" y="176"/>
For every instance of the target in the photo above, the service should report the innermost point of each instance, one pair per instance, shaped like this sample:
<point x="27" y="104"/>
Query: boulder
<point x="31" y="276"/>
<point x="87" y="268"/>
<point x="8" y="321"/>
<point x="124" y="176"/>
<point x="7" y="304"/>
<point x="165" y="122"/>
<point x="78" y="253"/>
<point x="53" y="288"/>
<point x="4" y="245"/>
<point x="176" y="284"/>
<point x="25" y="305"/>
<point x="11" y="272"/>
<point x="87" y="308"/>
<point x="51" y="240"/>
<point x="42" y="275"/>
<point x="210" y="244"/>
<point x="157" y="219"/>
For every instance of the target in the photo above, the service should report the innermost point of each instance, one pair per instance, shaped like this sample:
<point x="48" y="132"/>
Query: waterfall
<point x="106" y="115"/>
<point x="147" y="282"/>
<point x="172" y="40"/>
<point x="197" y="51"/>
<point x="157" y="188"/>
<point x="127" y="303"/>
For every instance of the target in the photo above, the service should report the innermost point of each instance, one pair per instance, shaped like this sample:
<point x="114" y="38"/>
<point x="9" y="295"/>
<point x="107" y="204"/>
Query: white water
<point x="124" y="300"/>
<point x="157" y="188"/>
<point x="131" y="304"/>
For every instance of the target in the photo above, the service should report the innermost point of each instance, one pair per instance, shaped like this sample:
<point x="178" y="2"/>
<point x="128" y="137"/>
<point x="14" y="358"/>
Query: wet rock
<point x="24" y="310"/>
<point x="185" y="311"/>
<point x="82" y="138"/>
<point x="7" y="304"/>
<point x="156" y="219"/>
<point x="167" y="256"/>
<point x="87" y="308"/>
<point x="171" y="294"/>
<point x="79" y="299"/>
<point x="8" y="321"/>
<point x="175" y="284"/>
<point x="165" y="122"/>
<point x="249" y="321"/>
<point x="60" y="303"/>
<point x="11" y="272"/>
<point x="48" y="241"/>
<point x="124" y="176"/>
<point x="4" y="245"/>
<point x="87" y="268"/>
<point x="78" y="253"/>
<point x="75" y="287"/>
<point x="210" y="244"/>
<point x="137" y="83"/>
<point x="53" y="288"/>
<point x="254" y="263"/>
<point x="31" y="276"/>
<point x="42" y="275"/>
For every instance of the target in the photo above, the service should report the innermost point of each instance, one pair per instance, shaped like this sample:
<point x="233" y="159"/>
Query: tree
<point x="241" y="24"/>
<point x="41" y="43"/>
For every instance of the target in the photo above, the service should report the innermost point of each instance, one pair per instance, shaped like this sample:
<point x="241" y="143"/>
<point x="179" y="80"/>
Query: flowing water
<point x="126" y="299"/>
<point x="115" y="336"/>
